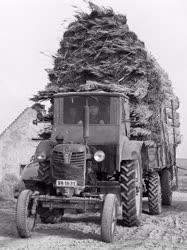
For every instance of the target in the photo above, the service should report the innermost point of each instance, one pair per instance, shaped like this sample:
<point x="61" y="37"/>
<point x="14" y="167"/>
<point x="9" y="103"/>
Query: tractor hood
<point x="69" y="148"/>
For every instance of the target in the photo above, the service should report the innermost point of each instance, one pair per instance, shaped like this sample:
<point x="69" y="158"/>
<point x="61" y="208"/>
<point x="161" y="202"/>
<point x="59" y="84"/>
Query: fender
<point x="130" y="148"/>
<point x="45" y="147"/>
<point x="30" y="172"/>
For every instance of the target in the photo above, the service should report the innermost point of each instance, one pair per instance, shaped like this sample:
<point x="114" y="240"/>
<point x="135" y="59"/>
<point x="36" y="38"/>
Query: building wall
<point x="16" y="144"/>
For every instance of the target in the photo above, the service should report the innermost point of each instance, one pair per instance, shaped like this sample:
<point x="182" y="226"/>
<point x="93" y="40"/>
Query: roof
<point x="90" y="88"/>
<point x="91" y="93"/>
<point x="15" y="120"/>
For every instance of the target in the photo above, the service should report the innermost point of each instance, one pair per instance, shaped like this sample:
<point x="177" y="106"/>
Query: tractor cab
<point x="88" y="164"/>
<point x="100" y="114"/>
<point x="97" y="122"/>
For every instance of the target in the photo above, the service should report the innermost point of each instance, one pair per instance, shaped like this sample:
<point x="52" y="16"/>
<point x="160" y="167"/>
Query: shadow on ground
<point x="67" y="232"/>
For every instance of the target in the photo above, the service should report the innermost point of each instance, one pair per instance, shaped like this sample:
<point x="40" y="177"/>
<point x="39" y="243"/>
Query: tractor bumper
<point x="82" y="203"/>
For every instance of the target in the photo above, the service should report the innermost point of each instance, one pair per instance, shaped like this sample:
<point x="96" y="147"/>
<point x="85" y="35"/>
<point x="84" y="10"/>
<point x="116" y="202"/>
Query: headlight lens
<point x="41" y="157"/>
<point x="99" y="156"/>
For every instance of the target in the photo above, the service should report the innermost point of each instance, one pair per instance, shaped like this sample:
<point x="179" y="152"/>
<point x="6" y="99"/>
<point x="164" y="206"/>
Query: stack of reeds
<point x="98" y="51"/>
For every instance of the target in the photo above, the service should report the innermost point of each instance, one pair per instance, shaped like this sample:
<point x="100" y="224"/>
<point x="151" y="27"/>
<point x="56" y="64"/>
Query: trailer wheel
<point x="25" y="221"/>
<point x="51" y="216"/>
<point x="154" y="194"/>
<point x="109" y="218"/>
<point x="131" y="192"/>
<point x="166" y="187"/>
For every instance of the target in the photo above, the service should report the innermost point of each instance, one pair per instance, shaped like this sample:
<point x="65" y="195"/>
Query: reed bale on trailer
<point x="99" y="52"/>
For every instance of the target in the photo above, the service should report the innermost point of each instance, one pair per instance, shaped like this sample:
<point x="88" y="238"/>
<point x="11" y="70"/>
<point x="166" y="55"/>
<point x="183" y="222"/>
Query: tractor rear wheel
<point x="166" y="187"/>
<point x="25" y="220"/>
<point x="109" y="218"/>
<point x="131" y="192"/>
<point x="154" y="194"/>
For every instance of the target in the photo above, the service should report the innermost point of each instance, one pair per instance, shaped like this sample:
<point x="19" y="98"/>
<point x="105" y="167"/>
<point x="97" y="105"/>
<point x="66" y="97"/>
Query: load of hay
<point x="99" y="52"/>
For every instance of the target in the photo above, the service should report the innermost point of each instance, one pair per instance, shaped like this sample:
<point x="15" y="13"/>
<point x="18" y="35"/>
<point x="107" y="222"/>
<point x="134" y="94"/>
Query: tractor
<point x="89" y="163"/>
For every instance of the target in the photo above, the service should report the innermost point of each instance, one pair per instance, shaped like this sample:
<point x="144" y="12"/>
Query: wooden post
<point x="164" y="137"/>
<point x="174" y="146"/>
<point x="174" y="139"/>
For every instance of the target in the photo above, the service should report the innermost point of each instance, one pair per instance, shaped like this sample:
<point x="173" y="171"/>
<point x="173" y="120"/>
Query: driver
<point x="94" y="114"/>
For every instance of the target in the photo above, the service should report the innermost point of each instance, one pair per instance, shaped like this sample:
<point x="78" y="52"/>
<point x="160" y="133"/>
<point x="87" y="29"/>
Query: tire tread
<point x="128" y="194"/>
<point x="21" y="213"/>
<point x="166" y="188"/>
<point x="154" y="194"/>
<point x="109" y="204"/>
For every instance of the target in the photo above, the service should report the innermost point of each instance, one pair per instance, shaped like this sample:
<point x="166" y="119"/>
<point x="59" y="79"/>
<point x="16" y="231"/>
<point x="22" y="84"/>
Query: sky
<point x="30" y="32"/>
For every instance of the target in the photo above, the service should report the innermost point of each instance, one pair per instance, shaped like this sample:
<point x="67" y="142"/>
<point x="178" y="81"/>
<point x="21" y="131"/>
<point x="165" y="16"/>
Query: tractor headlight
<point x="41" y="157"/>
<point x="99" y="156"/>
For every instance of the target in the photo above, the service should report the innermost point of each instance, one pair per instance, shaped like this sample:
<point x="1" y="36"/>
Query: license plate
<point x="66" y="183"/>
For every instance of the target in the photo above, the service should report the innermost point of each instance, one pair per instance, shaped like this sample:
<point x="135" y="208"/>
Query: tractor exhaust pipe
<point x="86" y="123"/>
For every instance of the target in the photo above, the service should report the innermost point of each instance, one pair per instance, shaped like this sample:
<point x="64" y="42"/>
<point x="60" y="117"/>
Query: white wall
<point x="16" y="144"/>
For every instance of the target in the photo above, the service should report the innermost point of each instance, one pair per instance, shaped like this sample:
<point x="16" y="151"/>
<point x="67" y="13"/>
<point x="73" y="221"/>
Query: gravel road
<point x="166" y="231"/>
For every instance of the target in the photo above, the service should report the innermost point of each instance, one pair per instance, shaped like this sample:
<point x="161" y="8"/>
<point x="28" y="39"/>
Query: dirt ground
<point x="166" y="231"/>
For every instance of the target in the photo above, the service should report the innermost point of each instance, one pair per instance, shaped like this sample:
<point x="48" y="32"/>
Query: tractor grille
<point x="77" y="158"/>
<point x="75" y="170"/>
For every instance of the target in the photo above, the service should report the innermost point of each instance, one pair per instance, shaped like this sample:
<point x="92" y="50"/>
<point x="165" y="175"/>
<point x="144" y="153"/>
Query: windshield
<point x="99" y="109"/>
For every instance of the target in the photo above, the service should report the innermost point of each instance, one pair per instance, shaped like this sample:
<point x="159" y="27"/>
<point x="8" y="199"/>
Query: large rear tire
<point x="25" y="220"/>
<point x="154" y="194"/>
<point x="166" y="187"/>
<point x="131" y="192"/>
<point x="109" y="218"/>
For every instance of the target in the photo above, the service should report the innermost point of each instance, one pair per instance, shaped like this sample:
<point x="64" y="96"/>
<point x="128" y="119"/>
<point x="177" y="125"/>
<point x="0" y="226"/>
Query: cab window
<point x="102" y="109"/>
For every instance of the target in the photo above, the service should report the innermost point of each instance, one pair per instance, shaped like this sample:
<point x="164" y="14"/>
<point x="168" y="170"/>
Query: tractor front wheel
<point x="25" y="220"/>
<point x="109" y="218"/>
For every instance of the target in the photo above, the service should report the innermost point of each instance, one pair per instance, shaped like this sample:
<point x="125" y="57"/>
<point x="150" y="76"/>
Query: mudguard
<point x="131" y="148"/>
<point x="30" y="172"/>
<point x="128" y="147"/>
<point x="45" y="147"/>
